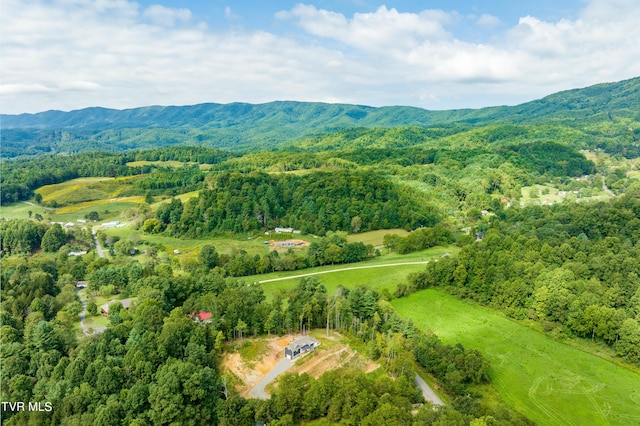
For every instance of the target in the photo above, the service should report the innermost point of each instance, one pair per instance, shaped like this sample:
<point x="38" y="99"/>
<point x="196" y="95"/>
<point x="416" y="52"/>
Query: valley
<point x="491" y="252"/>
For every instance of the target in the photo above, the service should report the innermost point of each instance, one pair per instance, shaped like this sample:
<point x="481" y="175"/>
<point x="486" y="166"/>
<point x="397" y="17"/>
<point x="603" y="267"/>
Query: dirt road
<point x="343" y="269"/>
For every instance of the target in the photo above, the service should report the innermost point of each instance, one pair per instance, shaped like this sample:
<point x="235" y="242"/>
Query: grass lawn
<point x="20" y="211"/>
<point x="549" y="382"/>
<point x="375" y="237"/>
<point x="375" y="278"/>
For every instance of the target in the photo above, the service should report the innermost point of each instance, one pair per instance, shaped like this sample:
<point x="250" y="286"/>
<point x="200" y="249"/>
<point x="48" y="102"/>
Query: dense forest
<point x="313" y="203"/>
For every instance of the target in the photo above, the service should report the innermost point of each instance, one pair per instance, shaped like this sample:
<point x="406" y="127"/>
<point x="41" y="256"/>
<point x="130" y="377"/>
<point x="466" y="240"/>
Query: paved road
<point x="427" y="392"/>
<point x="97" y="243"/>
<point x="258" y="391"/>
<point x="342" y="269"/>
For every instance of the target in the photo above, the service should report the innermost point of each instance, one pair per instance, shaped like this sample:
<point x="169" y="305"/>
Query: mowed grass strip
<point x="549" y="382"/>
<point x="378" y="278"/>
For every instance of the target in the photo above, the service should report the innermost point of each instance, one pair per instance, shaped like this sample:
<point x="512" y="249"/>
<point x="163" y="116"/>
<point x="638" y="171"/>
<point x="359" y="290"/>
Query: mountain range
<point x="242" y="126"/>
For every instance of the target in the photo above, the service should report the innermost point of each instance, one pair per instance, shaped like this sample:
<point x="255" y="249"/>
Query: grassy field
<point x="549" y="382"/>
<point x="377" y="278"/>
<point x="108" y="210"/>
<point x="20" y="211"/>
<point x="375" y="237"/>
<point x="84" y="189"/>
<point x="549" y="195"/>
<point x="182" y="197"/>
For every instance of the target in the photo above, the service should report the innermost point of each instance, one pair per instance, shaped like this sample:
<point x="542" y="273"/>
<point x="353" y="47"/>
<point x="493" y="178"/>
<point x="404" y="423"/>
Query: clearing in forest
<point x="549" y="382"/>
<point x="254" y="358"/>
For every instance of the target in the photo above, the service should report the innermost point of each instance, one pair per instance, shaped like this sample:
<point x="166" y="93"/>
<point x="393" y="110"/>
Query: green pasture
<point x="107" y="209"/>
<point x="375" y="238"/>
<point x="182" y="197"/>
<point x="84" y="189"/>
<point x="20" y="211"/>
<point x="228" y="245"/>
<point x="378" y="278"/>
<point x="635" y="174"/>
<point x="549" y="382"/>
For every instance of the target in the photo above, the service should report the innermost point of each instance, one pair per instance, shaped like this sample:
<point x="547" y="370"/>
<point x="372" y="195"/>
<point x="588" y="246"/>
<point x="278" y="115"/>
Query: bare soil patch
<point x="282" y="246"/>
<point x="331" y="354"/>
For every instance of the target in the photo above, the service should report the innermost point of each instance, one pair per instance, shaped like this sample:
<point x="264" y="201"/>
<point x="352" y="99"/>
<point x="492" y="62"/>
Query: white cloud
<point x="381" y="30"/>
<point x="166" y="16"/>
<point x="67" y="54"/>
<point x="488" y="21"/>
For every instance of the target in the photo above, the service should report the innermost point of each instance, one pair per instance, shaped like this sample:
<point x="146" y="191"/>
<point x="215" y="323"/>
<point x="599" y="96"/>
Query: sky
<point x="72" y="54"/>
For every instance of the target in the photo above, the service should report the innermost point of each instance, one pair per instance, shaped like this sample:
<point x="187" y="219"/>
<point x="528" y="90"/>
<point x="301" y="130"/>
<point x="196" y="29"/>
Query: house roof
<point x="302" y="341"/>
<point x="202" y="315"/>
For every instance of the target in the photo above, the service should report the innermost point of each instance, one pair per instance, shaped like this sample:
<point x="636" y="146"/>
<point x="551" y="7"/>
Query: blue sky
<point x="70" y="54"/>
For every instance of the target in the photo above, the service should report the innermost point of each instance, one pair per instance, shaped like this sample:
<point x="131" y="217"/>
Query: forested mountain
<point x="241" y="126"/>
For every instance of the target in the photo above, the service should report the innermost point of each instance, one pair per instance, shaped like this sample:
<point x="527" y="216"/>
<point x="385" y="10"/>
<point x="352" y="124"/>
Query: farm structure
<point x="300" y="346"/>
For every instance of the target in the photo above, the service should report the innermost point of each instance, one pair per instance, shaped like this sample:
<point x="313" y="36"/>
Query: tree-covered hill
<point x="243" y="126"/>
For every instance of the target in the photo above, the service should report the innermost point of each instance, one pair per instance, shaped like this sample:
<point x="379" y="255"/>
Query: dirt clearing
<point x="332" y="353"/>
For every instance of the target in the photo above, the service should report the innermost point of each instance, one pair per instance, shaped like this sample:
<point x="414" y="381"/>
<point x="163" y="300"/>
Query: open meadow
<point x="375" y="238"/>
<point x="371" y="273"/>
<point x="84" y="189"/>
<point x="549" y="382"/>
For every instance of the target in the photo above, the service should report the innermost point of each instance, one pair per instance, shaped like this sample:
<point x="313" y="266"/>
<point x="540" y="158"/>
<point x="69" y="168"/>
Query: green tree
<point x="54" y="238"/>
<point x="209" y="256"/>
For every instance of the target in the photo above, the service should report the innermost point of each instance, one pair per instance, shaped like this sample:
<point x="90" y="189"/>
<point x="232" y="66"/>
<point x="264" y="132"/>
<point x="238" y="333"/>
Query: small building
<point x="176" y="251"/>
<point x="202" y="317"/>
<point x="111" y="224"/>
<point x="104" y="309"/>
<point x="284" y="230"/>
<point x="480" y="235"/>
<point x="81" y="220"/>
<point x="80" y="285"/>
<point x="77" y="253"/>
<point x="300" y="346"/>
<point x="286" y="244"/>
